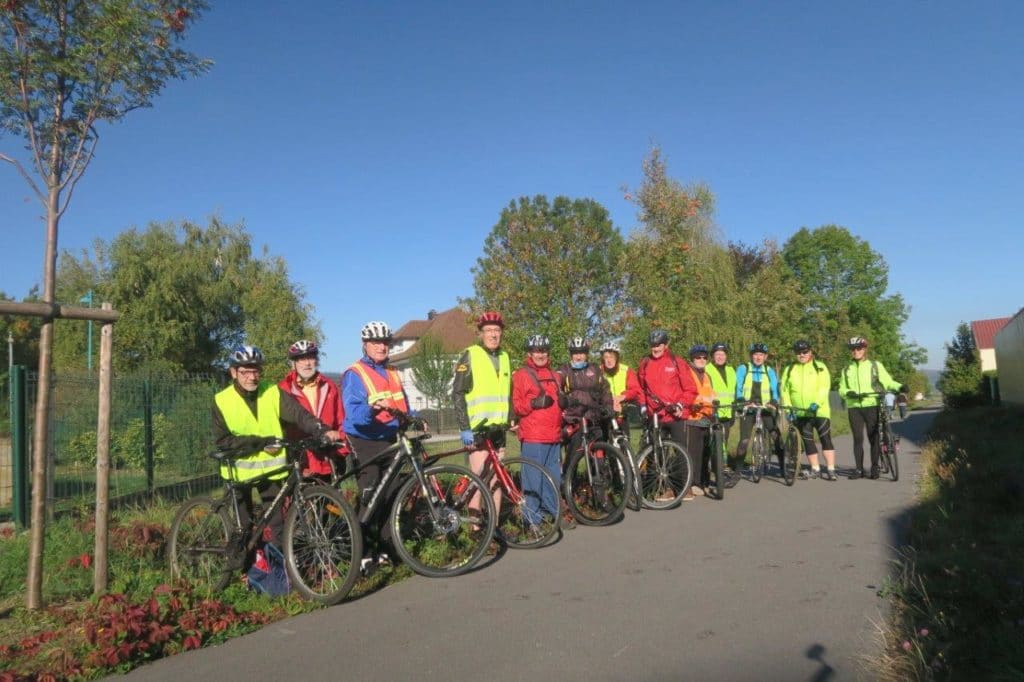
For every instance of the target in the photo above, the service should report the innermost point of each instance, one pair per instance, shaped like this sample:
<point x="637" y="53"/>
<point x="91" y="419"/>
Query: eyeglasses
<point x="249" y="371"/>
<point x="803" y="352"/>
<point x="700" y="357"/>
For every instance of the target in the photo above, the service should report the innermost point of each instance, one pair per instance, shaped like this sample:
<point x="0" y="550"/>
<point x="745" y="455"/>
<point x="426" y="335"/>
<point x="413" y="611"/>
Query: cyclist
<point x="805" y="385"/>
<point x="248" y="416"/>
<point x="723" y="380"/>
<point x="621" y="378"/>
<point x="901" y="404"/>
<point x="585" y="391"/>
<point x="697" y="423"/>
<point x="535" y="388"/>
<point x="668" y="391"/>
<point x="370" y="389"/>
<point x="864" y="376"/>
<point x="320" y="397"/>
<point x="751" y="378"/>
<point x="482" y="390"/>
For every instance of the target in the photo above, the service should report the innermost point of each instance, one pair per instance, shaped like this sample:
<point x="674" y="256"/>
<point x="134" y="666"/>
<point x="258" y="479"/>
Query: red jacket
<point x="668" y="379"/>
<point x="329" y="410"/>
<point x="536" y="425"/>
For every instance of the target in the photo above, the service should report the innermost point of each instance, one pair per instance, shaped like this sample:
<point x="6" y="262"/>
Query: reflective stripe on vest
<point x="378" y="388"/>
<point x="241" y="422"/>
<point x="766" y="384"/>
<point x="618" y="380"/>
<point x="725" y="389"/>
<point x="488" y="398"/>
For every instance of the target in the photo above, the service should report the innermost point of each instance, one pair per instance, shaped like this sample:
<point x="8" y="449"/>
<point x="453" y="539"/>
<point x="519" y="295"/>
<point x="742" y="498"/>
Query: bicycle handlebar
<point x="290" y="446"/>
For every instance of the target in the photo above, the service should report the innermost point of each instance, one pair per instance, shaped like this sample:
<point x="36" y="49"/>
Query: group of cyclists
<point x="542" y="405"/>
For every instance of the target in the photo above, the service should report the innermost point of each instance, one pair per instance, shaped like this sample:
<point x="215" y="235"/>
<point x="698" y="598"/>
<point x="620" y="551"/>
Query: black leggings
<point x="807" y="427"/>
<point x="376" y="532"/>
<point x="862" y="418"/>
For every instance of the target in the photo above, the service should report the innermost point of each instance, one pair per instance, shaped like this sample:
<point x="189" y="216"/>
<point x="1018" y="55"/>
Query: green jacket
<point x="806" y="383"/>
<point x="864" y="377"/>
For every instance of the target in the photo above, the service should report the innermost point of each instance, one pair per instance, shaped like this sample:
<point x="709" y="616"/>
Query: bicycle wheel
<point x="322" y="544"/>
<point x="523" y="520"/>
<point x="432" y="531"/>
<point x="635" y="499"/>
<point x="596" y="486"/>
<point x="665" y="475"/>
<point x="197" y="550"/>
<point x="890" y="455"/>
<point x="791" y="459"/>
<point x="718" y="464"/>
<point x="758" y="456"/>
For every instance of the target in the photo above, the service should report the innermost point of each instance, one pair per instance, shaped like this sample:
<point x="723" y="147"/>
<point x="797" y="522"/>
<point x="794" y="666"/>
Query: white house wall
<point x="1009" y="354"/>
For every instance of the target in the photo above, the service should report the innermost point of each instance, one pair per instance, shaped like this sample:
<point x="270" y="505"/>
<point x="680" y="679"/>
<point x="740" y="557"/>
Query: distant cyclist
<point x="757" y="383"/>
<point x="864" y="376"/>
<point x="805" y="385"/>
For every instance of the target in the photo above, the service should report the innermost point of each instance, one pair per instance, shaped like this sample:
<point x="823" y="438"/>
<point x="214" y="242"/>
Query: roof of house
<point x="453" y="328"/>
<point x="984" y="331"/>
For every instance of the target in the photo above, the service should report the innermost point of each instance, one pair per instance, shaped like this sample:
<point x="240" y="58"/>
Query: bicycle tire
<point x="460" y="537"/>
<point x="515" y="525"/>
<point x="664" y="482"/>
<point x="718" y="463"/>
<point x="323" y="544"/>
<point x="890" y="453"/>
<point x="635" y="499"/>
<point x="197" y="550"/>
<point x="759" y="458"/>
<point x="597" y="502"/>
<point x="791" y="458"/>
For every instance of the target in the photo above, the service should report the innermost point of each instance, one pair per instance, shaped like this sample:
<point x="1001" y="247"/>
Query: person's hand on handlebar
<point x="468" y="437"/>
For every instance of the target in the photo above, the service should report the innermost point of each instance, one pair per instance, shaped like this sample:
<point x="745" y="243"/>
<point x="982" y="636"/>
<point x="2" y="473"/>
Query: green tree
<point x="67" y="66"/>
<point x="432" y="371"/>
<point x="551" y="268"/>
<point x="186" y="294"/>
<point x="961" y="382"/>
<point x="843" y="284"/>
<point x="680" y="278"/>
<point x="768" y="297"/>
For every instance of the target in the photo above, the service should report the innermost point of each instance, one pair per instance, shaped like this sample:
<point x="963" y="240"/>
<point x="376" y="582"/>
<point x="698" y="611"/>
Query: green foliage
<point x="767" y="297"/>
<point x="961" y="383"/>
<point x="187" y="295"/>
<point x="551" y="268"/>
<point x="127" y="444"/>
<point x="432" y="371"/>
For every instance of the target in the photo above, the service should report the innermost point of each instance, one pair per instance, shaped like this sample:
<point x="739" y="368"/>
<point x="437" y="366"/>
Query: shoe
<point x="666" y="496"/>
<point x="383" y="560"/>
<point x="697" y="490"/>
<point x="855" y="474"/>
<point x="367" y="566"/>
<point x="809" y="475"/>
<point x="689" y="496"/>
<point x="874" y="473"/>
<point x="731" y="479"/>
<point x="828" y="475"/>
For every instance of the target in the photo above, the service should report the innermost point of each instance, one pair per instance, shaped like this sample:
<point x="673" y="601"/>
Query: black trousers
<point x="367" y="453"/>
<point x="267" y="490"/>
<point x="694" y="441"/>
<point x="862" y="418"/>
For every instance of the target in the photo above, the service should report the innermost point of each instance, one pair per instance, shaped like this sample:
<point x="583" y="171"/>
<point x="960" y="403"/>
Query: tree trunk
<point x="101" y="574"/>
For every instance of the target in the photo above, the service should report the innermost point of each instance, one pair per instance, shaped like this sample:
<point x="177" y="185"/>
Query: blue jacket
<point x="360" y="419"/>
<point x="757" y="374"/>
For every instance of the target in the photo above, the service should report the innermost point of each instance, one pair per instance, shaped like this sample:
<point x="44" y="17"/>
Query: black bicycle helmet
<point x="657" y="337"/>
<point x="719" y="345"/>
<point x="801" y="345"/>
<point x="578" y="344"/>
<point x="759" y="347"/>
<point x="698" y="349"/>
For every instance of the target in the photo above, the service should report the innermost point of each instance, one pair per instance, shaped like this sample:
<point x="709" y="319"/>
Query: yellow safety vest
<point x="618" y="380"/>
<point x="725" y="389"/>
<point x="241" y="422"/>
<point x="488" y="398"/>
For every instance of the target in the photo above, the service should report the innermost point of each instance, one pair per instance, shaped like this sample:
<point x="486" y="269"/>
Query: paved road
<point x="770" y="584"/>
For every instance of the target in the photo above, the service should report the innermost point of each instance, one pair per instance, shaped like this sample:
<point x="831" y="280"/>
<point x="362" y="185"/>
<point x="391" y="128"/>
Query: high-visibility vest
<point x="766" y="383"/>
<point x="618" y="380"/>
<point x="387" y="390"/>
<point x="704" y="390"/>
<point x="488" y="398"/>
<point x="240" y="421"/>
<point x="725" y="388"/>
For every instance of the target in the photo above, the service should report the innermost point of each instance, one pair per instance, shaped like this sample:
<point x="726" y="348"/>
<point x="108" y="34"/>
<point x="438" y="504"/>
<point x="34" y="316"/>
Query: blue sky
<point x="373" y="145"/>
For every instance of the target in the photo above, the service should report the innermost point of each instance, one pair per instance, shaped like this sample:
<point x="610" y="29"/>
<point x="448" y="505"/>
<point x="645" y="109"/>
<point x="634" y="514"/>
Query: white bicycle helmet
<point x="246" y="355"/>
<point x="375" y="331"/>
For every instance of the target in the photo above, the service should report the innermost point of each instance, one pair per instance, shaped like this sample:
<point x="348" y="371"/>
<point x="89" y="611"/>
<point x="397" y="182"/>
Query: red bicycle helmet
<point x="490" y="317"/>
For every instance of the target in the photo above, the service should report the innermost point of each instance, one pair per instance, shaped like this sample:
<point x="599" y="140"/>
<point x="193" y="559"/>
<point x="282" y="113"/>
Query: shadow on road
<point x="816" y="652"/>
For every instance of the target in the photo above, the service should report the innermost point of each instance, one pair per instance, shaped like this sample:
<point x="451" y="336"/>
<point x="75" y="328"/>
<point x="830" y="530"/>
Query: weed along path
<point x="772" y="583"/>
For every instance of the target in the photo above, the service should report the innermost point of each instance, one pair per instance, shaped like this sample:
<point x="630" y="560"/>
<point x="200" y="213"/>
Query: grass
<point x="958" y="589"/>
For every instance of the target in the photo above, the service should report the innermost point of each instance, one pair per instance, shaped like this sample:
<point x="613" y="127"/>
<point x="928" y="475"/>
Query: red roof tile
<point x="984" y="331"/>
<point x="453" y="328"/>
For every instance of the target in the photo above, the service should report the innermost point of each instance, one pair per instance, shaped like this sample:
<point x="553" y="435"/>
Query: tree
<point x="186" y="294"/>
<point x="432" y="371"/>
<point x="961" y="382"/>
<point x="680" y="278"/>
<point x="768" y="298"/>
<point x="551" y="268"/>
<point x="68" y="65"/>
<point x="842" y="284"/>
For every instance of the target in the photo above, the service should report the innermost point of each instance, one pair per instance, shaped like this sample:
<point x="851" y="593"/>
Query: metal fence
<point x="159" y="434"/>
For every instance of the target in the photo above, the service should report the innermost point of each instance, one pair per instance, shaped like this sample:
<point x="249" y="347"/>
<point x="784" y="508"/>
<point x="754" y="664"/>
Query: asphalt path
<point x="772" y="583"/>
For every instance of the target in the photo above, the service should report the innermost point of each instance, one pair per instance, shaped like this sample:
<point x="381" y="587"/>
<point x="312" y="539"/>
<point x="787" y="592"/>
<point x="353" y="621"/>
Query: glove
<point x="813" y="408"/>
<point x="542" y="401"/>
<point x="904" y="388"/>
<point x="467" y="437"/>
<point x="851" y="394"/>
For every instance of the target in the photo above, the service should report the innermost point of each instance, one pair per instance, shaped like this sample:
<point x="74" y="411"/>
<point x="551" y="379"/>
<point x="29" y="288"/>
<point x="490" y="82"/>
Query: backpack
<point x="267" y="574"/>
<point x="876" y="385"/>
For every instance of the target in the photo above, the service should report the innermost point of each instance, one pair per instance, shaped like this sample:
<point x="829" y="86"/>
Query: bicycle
<point x="719" y="454"/>
<point x="621" y="441"/>
<point x="597" y="479"/>
<point x="666" y="475"/>
<point x="434" y="530"/>
<point x="322" y="539"/>
<point x="888" y="442"/>
<point x="793" y="445"/>
<point x="522" y="523"/>
<point x="758" y="442"/>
